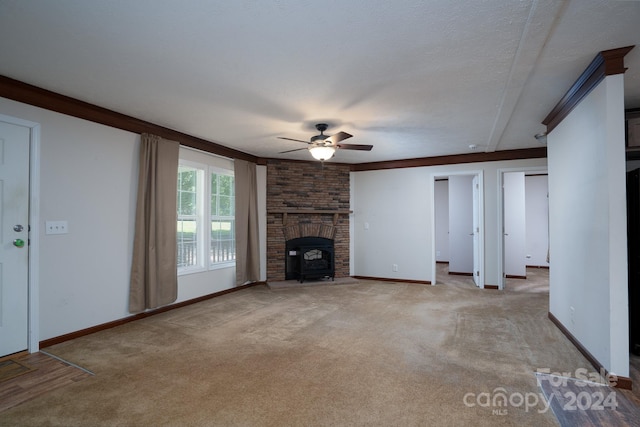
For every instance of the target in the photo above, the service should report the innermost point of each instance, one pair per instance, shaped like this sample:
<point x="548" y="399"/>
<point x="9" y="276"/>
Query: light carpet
<point x="372" y="353"/>
<point x="282" y="284"/>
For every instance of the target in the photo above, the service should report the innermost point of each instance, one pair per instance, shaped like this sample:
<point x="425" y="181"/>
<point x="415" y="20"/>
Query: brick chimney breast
<point x="308" y="187"/>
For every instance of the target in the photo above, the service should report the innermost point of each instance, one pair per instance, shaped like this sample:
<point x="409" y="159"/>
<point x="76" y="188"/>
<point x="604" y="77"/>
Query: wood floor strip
<point x="582" y="403"/>
<point x="49" y="374"/>
<point x="634" y="374"/>
<point x="12" y="368"/>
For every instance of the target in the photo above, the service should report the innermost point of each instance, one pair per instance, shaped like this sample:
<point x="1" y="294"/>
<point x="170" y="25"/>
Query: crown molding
<point x="606" y="63"/>
<point x="43" y="98"/>
<point x="38" y="97"/>
<point x="494" y="156"/>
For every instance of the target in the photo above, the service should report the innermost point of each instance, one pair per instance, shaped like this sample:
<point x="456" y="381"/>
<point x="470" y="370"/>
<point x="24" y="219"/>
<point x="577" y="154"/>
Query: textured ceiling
<point x="413" y="78"/>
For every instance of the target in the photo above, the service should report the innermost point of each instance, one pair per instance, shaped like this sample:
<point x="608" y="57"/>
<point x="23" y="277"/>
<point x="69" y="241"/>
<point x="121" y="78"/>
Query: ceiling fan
<point x="322" y="147"/>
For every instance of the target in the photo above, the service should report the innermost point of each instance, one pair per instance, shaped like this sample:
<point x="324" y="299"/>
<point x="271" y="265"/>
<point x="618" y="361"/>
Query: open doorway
<point x="458" y="229"/>
<point x="524" y="228"/>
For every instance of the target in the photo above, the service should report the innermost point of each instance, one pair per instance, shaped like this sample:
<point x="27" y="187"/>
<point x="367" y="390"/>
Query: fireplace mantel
<point x="294" y="211"/>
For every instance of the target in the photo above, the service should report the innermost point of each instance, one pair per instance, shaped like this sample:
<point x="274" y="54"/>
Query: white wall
<point x="537" y="218"/>
<point x="441" y="196"/>
<point x="587" y="203"/>
<point x="394" y="204"/>
<point x="514" y="225"/>
<point x="461" y="224"/>
<point x="88" y="177"/>
<point x="397" y="205"/>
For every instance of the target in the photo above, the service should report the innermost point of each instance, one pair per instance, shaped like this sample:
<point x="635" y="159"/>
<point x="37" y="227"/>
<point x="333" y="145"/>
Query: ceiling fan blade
<point x="361" y="147"/>
<point x="291" y="139"/>
<point x="340" y="136"/>
<point x="290" y="151"/>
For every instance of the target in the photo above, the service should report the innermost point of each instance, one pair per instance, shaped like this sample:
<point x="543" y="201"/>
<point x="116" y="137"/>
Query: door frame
<point x="476" y="227"/>
<point x="480" y="175"/>
<point x="500" y="216"/>
<point x="33" y="303"/>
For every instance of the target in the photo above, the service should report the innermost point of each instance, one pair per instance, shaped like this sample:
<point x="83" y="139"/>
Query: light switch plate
<point x="56" y="227"/>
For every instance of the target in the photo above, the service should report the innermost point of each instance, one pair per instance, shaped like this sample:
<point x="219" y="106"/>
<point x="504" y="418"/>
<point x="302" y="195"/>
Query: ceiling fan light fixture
<point x="322" y="152"/>
<point x="322" y="147"/>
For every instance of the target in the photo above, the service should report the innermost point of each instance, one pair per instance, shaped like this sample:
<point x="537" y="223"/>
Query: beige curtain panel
<point x="154" y="277"/>
<point x="247" y="237"/>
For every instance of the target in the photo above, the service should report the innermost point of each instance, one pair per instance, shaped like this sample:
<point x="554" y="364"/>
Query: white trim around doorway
<point x="481" y="242"/>
<point x="34" y="231"/>
<point x="500" y="216"/>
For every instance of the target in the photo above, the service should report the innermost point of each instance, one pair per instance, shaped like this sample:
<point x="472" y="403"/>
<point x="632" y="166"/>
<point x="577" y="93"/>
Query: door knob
<point x="18" y="243"/>
<point x="18" y="228"/>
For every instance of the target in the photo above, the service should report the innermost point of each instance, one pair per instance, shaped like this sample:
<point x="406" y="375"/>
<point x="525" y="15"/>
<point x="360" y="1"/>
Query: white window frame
<point x="204" y="218"/>
<point x="200" y="216"/>
<point x="223" y="264"/>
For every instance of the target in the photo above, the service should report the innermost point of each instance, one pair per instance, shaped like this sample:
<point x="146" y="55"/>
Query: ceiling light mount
<point x="322" y="127"/>
<point x="319" y="138"/>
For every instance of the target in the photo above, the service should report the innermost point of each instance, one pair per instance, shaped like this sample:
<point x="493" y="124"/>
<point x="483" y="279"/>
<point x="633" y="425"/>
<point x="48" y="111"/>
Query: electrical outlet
<point x="56" y="227"/>
<point x="573" y="312"/>
<point x="437" y="253"/>
<point x="394" y="267"/>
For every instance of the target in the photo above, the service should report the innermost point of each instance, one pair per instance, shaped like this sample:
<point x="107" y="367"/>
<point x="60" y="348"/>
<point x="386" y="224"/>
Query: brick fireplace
<point x="306" y="199"/>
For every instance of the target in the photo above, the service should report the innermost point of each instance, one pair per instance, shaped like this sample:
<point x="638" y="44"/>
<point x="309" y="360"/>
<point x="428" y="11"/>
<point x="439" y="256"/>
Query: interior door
<point x="461" y="225"/>
<point x="515" y="229"/>
<point x="14" y="238"/>
<point x="476" y="232"/>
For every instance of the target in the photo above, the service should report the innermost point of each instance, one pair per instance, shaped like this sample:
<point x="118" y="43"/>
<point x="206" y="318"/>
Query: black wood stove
<point x="309" y="258"/>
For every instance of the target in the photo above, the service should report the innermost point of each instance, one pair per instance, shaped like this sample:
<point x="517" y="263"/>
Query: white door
<point x="515" y="230"/>
<point x="461" y="224"/>
<point x="14" y="236"/>
<point x="476" y="232"/>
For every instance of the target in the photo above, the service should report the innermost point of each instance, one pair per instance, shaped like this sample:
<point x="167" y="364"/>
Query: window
<point x="205" y="243"/>
<point x="223" y="232"/>
<point x="190" y="193"/>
